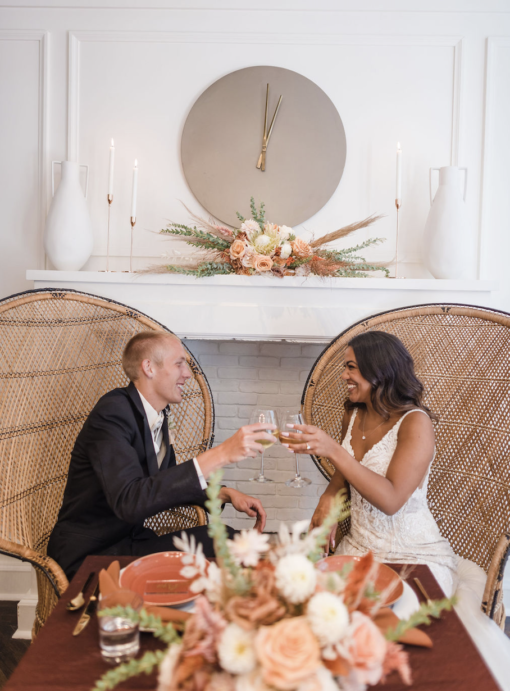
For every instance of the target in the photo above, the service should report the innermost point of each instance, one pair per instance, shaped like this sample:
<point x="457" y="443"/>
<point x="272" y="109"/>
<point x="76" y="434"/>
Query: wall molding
<point x="78" y="37"/>
<point x="485" y="236"/>
<point x="42" y="37"/>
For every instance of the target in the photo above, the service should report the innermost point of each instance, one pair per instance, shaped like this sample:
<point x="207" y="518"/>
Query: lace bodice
<point x="411" y="535"/>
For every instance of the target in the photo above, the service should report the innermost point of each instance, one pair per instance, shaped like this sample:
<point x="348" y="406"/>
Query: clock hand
<point x="264" y="136"/>
<point x="265" y="143"/>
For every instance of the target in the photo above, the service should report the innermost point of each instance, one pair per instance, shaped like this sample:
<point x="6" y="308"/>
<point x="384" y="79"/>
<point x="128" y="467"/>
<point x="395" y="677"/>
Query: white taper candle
<point x="399" y="172"/>
<point x="112" y="161"/>
<point x="135" y="186"/>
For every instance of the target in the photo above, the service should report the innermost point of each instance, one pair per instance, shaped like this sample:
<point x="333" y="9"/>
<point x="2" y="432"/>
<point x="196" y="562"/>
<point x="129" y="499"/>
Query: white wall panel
<point x="139" y="87"/>
<point x="22" y="146"/>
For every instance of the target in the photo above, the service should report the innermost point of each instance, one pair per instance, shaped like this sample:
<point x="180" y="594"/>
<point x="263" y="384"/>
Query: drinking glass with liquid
<point x="119" y="637"/>
<point x="261" y="417"/>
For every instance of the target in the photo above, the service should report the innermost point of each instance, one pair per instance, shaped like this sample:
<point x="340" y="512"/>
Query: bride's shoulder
<point x="415" y="421"/>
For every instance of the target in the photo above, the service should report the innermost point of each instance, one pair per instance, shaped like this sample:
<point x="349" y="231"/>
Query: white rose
<point x="328" y="617"/>
<point x="296" y="578"/>
<point x="235" y="650"/>
<point x="285" y="232"/>
<point x="286" y="250"/>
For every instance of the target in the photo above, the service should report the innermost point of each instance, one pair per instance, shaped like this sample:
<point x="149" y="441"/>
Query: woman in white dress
<point x="385" y="456"/>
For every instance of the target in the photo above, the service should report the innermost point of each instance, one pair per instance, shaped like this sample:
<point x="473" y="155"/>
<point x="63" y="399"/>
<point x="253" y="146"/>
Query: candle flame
<point x="136" y="163"/>
<point x="398" y="146"/>
<point x="112" y="144"/>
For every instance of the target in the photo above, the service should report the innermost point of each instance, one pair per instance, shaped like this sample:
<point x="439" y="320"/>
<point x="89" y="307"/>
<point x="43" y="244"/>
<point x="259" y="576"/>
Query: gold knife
<point x="88" y="612"/>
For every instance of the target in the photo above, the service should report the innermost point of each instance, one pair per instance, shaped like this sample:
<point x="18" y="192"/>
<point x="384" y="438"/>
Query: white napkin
<point x="407" y="603"/>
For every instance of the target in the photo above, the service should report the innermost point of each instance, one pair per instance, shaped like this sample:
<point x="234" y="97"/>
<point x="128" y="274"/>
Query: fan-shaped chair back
<point x="462" y="356"/>
<point x="60" y="351"/>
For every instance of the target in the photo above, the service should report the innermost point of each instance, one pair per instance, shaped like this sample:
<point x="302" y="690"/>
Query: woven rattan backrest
<point x="59" y="353"/>
<point x="462" y="356"/>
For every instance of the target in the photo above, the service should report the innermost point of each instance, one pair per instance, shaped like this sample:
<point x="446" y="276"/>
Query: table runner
<point x="58" y="661"/>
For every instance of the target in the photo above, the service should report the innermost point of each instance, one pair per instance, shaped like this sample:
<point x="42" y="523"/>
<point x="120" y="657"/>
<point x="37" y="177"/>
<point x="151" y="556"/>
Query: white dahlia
<point x="247" y="546"/>
<point x="328" y="617"/>
<point x="236" y="651"/>
<point x="286" y="250"/>
<point x="250" y="227"/>
<point x="295" y="578"/>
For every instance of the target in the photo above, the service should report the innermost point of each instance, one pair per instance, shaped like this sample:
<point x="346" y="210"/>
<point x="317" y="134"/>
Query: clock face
<point x="222" y="143"/>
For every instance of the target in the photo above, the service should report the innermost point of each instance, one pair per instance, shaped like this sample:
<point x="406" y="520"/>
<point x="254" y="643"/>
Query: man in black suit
<point x="123" y="467"/>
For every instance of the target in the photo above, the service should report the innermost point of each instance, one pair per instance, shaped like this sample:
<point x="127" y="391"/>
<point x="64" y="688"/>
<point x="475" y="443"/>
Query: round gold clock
<point x="265" y="132"/>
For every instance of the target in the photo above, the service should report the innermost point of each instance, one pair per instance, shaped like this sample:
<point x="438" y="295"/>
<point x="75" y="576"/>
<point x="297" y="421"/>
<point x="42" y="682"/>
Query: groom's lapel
<point x="150" y="454"/>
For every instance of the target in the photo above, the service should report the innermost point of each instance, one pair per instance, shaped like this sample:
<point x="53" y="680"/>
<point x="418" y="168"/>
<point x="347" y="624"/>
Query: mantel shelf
<point x="263" y="308"/>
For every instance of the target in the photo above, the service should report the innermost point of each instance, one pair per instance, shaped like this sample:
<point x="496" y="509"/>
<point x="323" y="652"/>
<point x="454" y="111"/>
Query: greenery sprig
<point x="339" y="511"/>
<point x="421" y="616"/>
<point x="218" y="532"/>
<point x="144" y="665"/>
<point x="203" y="270"/>
<point x="165" y="632"/>
<point x="197" y="237"/>
<point x="258" y="215"/>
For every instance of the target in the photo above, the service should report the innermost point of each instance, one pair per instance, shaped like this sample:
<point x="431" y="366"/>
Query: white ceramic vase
<point x="68" y="237"/>
<point x="449" y="244"/>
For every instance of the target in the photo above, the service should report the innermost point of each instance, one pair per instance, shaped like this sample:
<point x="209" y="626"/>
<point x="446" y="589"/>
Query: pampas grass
<point x="346" y="230"/>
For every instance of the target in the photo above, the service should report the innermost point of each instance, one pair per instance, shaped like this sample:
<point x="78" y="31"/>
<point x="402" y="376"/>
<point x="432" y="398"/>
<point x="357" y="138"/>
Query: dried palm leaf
<point x="210" y="226"/>
<point x="346" y="230"/>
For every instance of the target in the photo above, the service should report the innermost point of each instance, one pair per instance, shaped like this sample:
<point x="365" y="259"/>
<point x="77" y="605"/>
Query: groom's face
<point x="172" y="372"/>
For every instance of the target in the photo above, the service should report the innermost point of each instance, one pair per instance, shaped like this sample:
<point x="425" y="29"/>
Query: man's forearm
<point x="212" y="460"/>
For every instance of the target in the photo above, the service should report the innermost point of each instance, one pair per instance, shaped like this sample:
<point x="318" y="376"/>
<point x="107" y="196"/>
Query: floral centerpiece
<point x="258" y="247"/>
<point x="266" y="619"/>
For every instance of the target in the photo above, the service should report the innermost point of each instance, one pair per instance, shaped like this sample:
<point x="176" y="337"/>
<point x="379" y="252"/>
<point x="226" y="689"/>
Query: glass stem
<point x="262" y="464"/>
<point x="297" y="466"/>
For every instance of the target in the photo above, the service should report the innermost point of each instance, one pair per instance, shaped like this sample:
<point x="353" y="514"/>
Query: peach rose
<point x="261" y="263"/>
<point x="367" y="649"/>
<point x="237" y="249"/>
<point x="288" y="652"/>
<point x="301" y="249"/>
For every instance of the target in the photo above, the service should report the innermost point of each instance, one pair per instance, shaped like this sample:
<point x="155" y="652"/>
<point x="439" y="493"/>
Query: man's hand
<point x="241" y="445"/>
<point x="248" y="505"/>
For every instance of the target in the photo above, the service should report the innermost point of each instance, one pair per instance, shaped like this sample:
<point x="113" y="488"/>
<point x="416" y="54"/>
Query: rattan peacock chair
<point x="60" y="351"/>
<point x="462" y="356"/>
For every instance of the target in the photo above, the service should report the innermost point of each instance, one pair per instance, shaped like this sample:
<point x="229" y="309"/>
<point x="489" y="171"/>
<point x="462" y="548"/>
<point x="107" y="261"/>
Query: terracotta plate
<point x="385" y="577"/>
<point x="157" y="579"/>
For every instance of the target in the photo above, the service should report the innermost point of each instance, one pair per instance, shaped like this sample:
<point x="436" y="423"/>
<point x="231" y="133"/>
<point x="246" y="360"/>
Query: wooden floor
<point x="11" y="651"/>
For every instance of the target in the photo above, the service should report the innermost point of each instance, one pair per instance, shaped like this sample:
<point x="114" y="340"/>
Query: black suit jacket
<point x="114" y="482"/>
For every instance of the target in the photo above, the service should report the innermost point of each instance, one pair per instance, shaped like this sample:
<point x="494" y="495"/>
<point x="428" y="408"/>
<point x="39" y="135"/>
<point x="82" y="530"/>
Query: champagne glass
<point x="289" y="418"/>
<point x="264" y="416"/>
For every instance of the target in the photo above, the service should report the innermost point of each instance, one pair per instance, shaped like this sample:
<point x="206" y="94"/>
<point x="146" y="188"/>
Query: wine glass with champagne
<point x="288" y="417"/>
<point x="260" y="417"/>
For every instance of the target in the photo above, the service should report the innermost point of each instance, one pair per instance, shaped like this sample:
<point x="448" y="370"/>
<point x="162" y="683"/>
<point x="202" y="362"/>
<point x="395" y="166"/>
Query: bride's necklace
<point x="370" y="430"/>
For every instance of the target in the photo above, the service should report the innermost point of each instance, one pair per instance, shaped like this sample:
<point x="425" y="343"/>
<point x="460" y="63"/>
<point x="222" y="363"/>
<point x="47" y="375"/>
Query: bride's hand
<point x="320" y="513"/>
<point x="310" y="440"/>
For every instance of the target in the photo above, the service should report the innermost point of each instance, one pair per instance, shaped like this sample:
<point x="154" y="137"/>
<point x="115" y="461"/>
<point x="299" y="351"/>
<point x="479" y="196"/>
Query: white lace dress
<point x="411" y="536"/>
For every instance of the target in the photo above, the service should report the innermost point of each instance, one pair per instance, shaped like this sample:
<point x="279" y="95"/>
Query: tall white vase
<point x="68" y="238"/>
<point x="449" y="245"/>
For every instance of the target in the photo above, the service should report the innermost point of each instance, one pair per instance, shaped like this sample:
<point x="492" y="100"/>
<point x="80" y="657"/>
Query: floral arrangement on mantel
<point x="261" y="248"/>
<point x="267" y="620"/>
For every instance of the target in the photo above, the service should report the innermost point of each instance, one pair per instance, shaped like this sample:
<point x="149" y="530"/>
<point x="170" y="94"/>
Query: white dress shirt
<point x="156" y="421"/>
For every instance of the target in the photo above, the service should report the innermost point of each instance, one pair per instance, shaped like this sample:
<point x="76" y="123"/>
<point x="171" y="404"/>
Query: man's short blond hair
<point x="142" y="346"/>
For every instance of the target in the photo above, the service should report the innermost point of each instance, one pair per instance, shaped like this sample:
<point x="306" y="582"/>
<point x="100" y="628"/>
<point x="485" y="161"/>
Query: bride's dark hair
<point x="384" y="361"/>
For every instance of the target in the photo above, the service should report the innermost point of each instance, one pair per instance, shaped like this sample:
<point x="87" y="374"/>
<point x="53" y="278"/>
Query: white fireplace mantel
<point x="263" y="308"/>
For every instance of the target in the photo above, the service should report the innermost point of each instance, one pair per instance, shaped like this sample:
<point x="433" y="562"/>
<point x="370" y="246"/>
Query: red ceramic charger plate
<point x="385" y="577"/>
<point x="160" y="567"/>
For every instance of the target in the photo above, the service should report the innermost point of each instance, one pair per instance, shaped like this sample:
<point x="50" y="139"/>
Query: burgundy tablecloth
<point x="58" y="661"/>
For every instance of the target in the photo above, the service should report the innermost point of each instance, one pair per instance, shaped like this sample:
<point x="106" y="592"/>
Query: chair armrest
<point x="45" y="564"/>
<point x="492" y="603"/>
<point x="178" y="518"/>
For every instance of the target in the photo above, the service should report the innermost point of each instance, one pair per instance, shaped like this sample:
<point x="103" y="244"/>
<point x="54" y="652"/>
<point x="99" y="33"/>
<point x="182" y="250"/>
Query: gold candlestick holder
<point x="109" y="197"/>
<point x="398" y="204"/>
<point x="133" y="223"/>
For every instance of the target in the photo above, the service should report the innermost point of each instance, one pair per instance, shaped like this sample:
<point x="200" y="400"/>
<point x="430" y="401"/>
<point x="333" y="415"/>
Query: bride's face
<point x="359" y="388"/>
